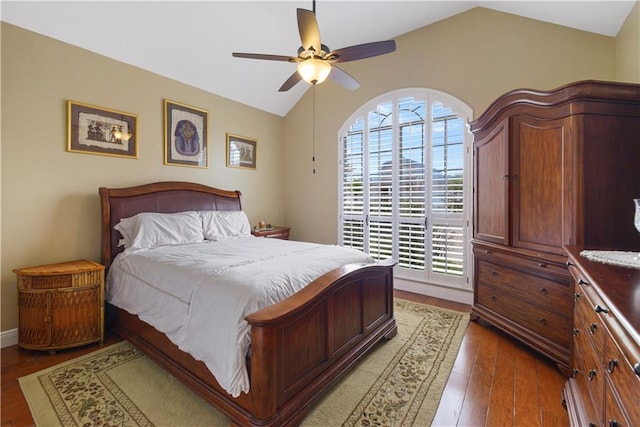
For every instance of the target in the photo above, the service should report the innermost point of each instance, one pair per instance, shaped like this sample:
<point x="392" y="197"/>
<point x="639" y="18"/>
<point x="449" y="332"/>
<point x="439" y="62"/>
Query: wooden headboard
<point x="161" y="197"/>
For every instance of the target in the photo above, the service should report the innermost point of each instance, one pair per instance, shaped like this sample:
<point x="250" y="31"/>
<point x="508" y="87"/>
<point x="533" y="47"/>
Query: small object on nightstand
<point x="273" y="232"/>
<point x="60" y="305"/>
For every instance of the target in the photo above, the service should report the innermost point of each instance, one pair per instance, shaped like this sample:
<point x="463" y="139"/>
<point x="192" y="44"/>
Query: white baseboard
<point x="464" y="296"/>
<point x="8" y="338"/>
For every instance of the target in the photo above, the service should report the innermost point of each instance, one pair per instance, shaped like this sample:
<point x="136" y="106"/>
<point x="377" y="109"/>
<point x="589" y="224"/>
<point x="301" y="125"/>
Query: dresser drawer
<point x="545" y="321"/>
<point x="614" y="415"/>
<point x="626" y="382"/>
<point x="591" y="321"/>
<point x="589" y="369"/>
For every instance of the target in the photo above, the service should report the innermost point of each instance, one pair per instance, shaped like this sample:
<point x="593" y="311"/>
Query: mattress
<point x="199" y="294"/>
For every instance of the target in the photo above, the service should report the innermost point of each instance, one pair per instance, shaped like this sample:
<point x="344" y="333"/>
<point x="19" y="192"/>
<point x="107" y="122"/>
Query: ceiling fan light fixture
<point x="313" y="70"/>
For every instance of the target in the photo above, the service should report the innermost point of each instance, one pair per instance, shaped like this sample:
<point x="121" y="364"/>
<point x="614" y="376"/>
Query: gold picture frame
<point x="104" y="131"/>
<point x="241" y="152"/>
<point x="185" y="135"/>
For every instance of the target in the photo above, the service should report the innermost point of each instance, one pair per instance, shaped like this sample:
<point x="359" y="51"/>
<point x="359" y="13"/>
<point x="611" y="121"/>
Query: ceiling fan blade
<point x="291" y="82"/>
<point x="362" y="51"/>
<point x="266" y="57"/>
<point x="309" y="31"/>
<point x="343" y="78"/>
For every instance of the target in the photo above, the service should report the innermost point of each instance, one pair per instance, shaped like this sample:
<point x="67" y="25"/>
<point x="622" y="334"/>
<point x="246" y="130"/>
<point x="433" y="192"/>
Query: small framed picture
<point x="98" y="130"/>
<point x="185" y="135"/>
<point x="241" y="152"/>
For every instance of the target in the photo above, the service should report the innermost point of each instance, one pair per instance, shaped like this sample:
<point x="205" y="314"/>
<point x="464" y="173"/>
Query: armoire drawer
<point x="539" y="267"/>
<point x="526" y="287"/>
<point x="542" y="320"/>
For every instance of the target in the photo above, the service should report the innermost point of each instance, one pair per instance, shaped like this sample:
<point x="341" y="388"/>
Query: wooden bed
<point x="299" y="346"/>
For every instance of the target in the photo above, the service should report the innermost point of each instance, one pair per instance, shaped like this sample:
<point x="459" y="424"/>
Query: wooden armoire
<point x="552" y="168"/>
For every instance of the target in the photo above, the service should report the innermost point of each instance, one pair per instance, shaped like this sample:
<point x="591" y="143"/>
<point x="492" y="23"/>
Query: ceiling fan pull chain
<point x="313" y="138"/>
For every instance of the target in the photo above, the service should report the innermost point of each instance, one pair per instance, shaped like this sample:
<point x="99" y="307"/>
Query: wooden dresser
<point x="551" y="168"/>
<point x="604" y="388"/>
<point x="60" y="305"/>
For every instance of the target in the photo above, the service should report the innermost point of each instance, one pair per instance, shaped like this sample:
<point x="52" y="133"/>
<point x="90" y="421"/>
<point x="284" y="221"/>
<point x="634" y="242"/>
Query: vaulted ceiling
<point x="192" y="42"/>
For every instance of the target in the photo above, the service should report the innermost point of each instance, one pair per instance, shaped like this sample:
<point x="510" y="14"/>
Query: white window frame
<point x="430" y="96"/>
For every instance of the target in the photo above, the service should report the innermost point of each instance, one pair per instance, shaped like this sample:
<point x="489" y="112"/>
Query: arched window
<point x="403" y="187"/>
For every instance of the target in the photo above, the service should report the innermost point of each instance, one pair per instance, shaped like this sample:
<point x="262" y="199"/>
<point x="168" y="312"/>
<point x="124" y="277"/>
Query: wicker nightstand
<point x="273" y="232"/>
<point x="60" y="305"/>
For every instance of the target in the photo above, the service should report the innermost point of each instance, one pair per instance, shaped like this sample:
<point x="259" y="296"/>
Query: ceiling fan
<point x="316" y="61"/>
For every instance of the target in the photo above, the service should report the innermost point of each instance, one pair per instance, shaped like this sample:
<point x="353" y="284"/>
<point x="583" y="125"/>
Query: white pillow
<point x="149" y="230"/>
<point x="220" y="225"/>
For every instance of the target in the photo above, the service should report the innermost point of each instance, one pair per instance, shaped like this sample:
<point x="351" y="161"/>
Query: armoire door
<point x="491" y="186"/>
<point x="540" y="183"/>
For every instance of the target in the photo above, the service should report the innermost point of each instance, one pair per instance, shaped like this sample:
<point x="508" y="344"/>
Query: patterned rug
<point x="397" y="384"/>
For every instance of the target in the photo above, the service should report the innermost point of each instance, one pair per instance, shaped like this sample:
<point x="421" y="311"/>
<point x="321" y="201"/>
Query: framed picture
<point x="185" y="135"/>
<point x="98" y="130"/>
<point x="241" y="152"/>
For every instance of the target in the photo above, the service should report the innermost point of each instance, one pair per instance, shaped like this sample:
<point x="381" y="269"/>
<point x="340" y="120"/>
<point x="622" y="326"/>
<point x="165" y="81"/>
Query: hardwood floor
<point x="494" y="382"/>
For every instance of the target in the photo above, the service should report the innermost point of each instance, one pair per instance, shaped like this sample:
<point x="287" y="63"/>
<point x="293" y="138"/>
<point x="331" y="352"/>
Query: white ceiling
<point x="192" y="42"/>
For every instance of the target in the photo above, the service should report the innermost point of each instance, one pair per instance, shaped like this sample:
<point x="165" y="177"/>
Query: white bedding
<point x="198" y="294"/>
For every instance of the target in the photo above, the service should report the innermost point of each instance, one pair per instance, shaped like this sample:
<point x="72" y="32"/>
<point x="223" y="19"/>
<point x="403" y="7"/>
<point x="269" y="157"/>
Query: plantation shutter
<point x="390" y="205"/>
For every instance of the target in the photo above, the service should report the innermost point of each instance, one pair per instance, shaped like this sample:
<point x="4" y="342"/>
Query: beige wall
<point x="628" y="48"/>
<point x="50" y="206"/>
<point x="475" y="56"/>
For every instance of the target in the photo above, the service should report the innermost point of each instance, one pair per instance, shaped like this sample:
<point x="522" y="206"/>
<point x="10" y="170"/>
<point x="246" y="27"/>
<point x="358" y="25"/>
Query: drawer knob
<point x="542" y="321"/>
<point x="576" y="296"/>
<point x="576" y="331"/>
<point x="600" y="309"/>
<point x="542" y="264"/>
<point x="543" y="291"/>
<point x="611" y="366"/>
<point x="636" y="368"/>
<point x="575" y="373"/>
<point x="593" y="328"/>
<point x="592" y="374"/>
<point x="568" y="263"/>
<point x="582" y="282"/>
<point x="493" y="273"/>
<point x="613" y="423"/>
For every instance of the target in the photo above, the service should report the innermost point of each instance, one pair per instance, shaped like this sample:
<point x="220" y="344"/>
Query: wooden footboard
<point x="299" y="347"/>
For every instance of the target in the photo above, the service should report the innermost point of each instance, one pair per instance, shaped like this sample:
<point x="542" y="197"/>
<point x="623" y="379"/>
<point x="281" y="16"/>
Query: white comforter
<point x="198" y="294"/>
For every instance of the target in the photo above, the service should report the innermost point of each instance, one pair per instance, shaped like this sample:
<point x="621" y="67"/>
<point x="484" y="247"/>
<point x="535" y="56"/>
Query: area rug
<point x="398" y="384"/>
